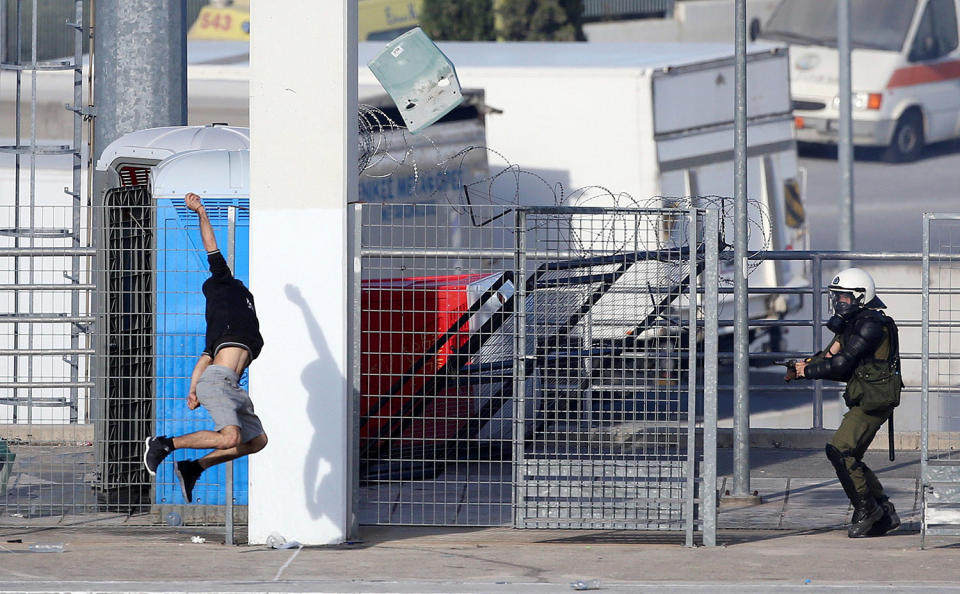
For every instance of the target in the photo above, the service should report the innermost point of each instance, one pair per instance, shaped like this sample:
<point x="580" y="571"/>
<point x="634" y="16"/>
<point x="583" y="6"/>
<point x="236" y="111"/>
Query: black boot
<point x="866" y="513"/>
<point x="890" y="520"/>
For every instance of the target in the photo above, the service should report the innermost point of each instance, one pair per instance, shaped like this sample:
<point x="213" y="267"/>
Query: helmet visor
<point x="840" y="297"/>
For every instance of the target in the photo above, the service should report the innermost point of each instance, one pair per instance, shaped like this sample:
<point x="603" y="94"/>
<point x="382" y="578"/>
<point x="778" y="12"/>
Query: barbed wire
<point x="387" y="149"/>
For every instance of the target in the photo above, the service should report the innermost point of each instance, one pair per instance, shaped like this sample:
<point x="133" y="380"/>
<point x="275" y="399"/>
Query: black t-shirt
<point x="231" y="315"/>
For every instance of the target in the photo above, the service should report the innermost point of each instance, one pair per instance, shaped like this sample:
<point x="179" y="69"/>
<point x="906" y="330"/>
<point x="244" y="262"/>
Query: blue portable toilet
<point x="221" y="178"/>
<point x="156" y="167"/>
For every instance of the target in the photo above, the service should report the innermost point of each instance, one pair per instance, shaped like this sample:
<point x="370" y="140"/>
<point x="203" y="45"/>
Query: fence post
<point x="519" y="362"/>
<point x="925" y="362"/>
<point x="231" y="255"/>
<point x="354" y="329"/>
<point x="711" y="297"/>
<point x="693" y="253"/>
<point x="816" y="279"/>
<point x="741" y="331"/>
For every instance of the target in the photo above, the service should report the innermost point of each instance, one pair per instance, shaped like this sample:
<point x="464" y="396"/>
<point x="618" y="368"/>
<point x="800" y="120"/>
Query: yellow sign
<point x="382" y="20"/>
<point x="231" y="24"/>
<point x="794" y="215"/>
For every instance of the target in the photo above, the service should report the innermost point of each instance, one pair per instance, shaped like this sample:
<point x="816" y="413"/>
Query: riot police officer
<point x="864" y="353"/>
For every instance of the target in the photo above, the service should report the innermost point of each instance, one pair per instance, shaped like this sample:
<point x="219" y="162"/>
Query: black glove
<point x="791" y="371"/>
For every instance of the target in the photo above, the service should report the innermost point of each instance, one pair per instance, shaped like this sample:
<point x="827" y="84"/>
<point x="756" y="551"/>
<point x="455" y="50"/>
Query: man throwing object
<point x="233" y="341"/>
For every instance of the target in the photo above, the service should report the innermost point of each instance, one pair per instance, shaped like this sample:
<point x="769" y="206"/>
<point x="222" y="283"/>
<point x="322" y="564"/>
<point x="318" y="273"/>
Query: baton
<point x="890" y="437"/>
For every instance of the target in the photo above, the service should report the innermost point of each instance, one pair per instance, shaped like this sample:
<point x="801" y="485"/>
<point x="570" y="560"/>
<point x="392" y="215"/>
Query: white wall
<point x="303" y="172"/>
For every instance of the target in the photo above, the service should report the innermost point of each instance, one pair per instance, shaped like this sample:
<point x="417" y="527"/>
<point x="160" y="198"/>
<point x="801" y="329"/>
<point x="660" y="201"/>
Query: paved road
<point x="889" y="199"/>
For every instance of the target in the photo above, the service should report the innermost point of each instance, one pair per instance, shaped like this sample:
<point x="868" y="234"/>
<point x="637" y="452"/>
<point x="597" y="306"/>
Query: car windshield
<point x="876" y="24"/>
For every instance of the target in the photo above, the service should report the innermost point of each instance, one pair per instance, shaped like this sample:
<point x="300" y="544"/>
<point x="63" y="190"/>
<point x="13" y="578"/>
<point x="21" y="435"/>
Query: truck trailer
<point x="628" y="124"/>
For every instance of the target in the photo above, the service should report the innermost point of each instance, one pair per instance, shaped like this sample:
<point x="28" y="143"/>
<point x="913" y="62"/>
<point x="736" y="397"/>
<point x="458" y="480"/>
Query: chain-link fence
<point x="529" y="366"/>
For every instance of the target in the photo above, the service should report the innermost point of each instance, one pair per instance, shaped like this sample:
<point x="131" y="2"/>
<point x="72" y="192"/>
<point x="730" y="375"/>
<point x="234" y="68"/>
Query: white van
<point x="905" y="71"/>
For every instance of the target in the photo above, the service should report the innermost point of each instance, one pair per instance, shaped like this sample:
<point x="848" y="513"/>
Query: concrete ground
<point x="795" y="539"/>
<point x="489" y="559"/>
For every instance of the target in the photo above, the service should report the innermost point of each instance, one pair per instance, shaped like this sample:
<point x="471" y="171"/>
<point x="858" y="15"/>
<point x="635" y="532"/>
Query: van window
<point x="937" y="32"/>
<point x="876" y="24"/>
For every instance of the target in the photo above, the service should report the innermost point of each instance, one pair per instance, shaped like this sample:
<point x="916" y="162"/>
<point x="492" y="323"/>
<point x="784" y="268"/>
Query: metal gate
<point x="535" y="366"/>
<point x="940" y="369"/>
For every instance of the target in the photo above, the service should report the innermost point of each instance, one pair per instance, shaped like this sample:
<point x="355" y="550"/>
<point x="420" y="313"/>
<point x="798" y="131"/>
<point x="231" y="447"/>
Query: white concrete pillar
<point x="303" y="171"/>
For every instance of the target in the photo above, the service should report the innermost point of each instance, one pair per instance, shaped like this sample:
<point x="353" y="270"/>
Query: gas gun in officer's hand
<point x="791" y="365"/>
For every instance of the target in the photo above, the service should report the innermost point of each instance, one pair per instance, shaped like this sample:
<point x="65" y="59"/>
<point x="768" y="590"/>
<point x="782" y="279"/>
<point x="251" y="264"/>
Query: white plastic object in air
<point x="419" y="78"/>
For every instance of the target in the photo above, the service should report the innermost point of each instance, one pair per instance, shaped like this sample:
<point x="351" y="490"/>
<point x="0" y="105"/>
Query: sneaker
<point x="188" y="471"/>
<point x="157" y="448"/>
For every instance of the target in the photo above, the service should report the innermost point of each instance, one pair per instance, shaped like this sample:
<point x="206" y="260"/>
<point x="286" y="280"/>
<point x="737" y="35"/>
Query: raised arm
<point x="206" y="229"/>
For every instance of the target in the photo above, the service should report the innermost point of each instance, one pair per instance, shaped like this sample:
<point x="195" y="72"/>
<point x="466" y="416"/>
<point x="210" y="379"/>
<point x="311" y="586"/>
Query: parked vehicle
<point x="905" y="71"/>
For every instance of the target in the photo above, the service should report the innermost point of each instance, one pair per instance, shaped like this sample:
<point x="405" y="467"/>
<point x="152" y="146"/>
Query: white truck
<point x="648" y="120"/>
<point x="905" y="71"/>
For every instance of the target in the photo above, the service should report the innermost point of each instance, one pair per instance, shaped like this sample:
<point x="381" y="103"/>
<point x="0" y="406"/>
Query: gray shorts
<point x="228" y="404"/>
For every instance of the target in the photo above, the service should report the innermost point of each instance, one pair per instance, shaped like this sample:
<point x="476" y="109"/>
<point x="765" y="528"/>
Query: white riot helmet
<point x="857" y="282"/>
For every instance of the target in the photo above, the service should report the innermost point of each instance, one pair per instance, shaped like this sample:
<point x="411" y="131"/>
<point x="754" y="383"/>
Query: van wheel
<point x="907" y="142"/>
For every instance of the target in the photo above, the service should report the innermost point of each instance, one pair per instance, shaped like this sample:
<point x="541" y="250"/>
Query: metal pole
<point x="711" y="294"/>
<point x="355" y="289"/>
<point x="741" y="388"/>
<point x="691" y="466"/>
<point x="33" y="200"/>
<point x="75" y="195"/>
<point x="232" y="243"/>
<point x="925" y="349"/>
<point x="140" y="77"/>
<point x="519" y="366"/>
<point x="816" y="276"/>
<point x="845" y="140"/>
<point x="924" y="374"/>
<point x="16" y="194"/>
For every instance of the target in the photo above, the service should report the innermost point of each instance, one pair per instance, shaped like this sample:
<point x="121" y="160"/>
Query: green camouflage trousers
<point x="852" y="438"/>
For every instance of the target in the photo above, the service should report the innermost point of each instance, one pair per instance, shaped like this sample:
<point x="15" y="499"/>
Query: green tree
<point x="458" y="20"/>
<point x="540" y="20"/>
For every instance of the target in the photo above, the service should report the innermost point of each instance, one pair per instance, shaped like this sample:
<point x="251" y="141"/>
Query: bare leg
<point x="226" y="438"/>
<point x="244" y="449"/>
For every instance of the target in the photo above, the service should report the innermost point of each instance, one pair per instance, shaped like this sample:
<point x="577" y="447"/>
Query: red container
<point x="409" y="328"/>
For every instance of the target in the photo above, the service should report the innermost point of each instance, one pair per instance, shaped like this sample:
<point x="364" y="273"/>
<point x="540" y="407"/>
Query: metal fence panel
<point x="940" y="399"/>
<point x="435" y="354"/>
<point x="607" y="354"/>
<point x="45" y="350"/>
<point x="527" y="366"/>
<point x="139" y="344"/>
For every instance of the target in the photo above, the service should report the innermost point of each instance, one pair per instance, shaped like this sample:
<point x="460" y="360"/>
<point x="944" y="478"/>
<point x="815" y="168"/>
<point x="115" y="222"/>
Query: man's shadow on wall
<point x="323" y="380"/>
